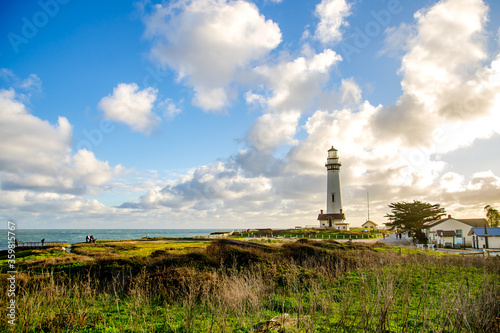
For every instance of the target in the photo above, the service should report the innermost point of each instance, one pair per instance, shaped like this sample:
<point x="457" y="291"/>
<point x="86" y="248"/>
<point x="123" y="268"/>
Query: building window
<point x="459" y="232"/>
<point x="333" y="197"/>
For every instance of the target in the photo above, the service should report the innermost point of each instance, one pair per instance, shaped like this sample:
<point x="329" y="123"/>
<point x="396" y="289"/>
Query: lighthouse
<point x="334" y="217"/>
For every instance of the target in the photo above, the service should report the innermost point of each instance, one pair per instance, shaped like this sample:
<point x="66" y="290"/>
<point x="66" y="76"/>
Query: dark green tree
<point x="492" y="215"/>
<point x="411" y="216"/>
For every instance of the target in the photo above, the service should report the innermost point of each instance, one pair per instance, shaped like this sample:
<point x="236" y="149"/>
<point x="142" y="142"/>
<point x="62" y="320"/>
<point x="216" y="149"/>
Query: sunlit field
<point x="236" y="286"/>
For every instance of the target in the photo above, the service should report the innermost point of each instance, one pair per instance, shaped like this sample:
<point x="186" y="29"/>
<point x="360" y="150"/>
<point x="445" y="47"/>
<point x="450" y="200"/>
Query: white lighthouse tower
<point x="334" y="217"/>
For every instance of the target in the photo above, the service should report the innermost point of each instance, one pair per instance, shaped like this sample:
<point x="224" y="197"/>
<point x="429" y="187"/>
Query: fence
<point x="39" y="244"/>
<point x="337" y="236"/>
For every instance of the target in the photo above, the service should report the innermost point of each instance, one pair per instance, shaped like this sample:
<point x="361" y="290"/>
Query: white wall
<point x="333" y="187"/>
<point x="451" y="224"/>
<point x="493" y="242"/>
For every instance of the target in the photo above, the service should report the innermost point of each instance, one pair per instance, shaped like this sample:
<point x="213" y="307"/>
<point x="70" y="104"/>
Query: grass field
<point x="235" y="286"/>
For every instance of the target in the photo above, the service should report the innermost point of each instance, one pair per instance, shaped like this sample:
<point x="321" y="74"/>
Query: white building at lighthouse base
<point x="333" y="221"/>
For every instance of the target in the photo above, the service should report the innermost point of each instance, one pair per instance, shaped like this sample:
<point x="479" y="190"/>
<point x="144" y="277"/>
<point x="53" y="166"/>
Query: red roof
<point x="333" y="216"/>
<point x="446" y="233"/>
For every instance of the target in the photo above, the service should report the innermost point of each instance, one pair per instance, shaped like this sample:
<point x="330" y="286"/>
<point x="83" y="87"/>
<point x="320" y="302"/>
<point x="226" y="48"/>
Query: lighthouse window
<point x="333" y="197"/>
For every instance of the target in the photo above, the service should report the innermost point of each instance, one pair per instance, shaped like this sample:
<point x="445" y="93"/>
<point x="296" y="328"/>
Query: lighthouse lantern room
<point x="334" y="217"/>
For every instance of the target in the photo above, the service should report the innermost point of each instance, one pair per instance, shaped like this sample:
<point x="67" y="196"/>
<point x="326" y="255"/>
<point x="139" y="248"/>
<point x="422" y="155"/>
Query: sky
<point x="219" y="114"/>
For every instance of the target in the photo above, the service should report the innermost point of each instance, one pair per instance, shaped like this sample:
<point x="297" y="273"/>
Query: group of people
<point x="399" y="235"/>
<point x="90" y="239"/>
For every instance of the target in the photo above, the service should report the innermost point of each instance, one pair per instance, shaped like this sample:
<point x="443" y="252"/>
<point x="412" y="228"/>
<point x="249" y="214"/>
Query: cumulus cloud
<point x="449" y="101"/>
<point x="273" y="129"/>
<point x="446" y="86"/>
<point x="291" y="89"/>
<point x="170" y="109"/>
<point x="25" y="87"/>
<point x="481" y="189"/>
<point x="294" y="84"/>
<point x="207" y="188"/>
<point x="132" y="106"/>
<point x="332" y="14"/>
<point x="32" y="83"/>
<point x="351" y="92"/>
<point x="451" y="182"/>
<point x="450" y="94"/>
<point x="396" y="40"/>
<point x="208" y="42"/>
<point x="27" y="162"/>
<point x="52" y="203"/>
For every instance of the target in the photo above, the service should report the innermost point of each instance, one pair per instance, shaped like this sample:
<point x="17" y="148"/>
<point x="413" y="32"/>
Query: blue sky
<point x="215" y="113"/>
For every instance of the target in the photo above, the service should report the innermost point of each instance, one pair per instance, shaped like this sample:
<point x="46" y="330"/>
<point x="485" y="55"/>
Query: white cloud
<point x="332" y="14"/>
<point x="32" y="82"/>
<point x="297" y="84"/>
<point x="211" y="98"/>
<point x="449" y="101"/>
<point x="208" y="188"/>
<point x="170" y="109"/>
<point x="394" y="152"/>
<point x="208" y="42"/>
<point x="25" y="87"/>
<point x="397" y="39"/>
<point x="132" y="106"/>
<point x="28" y="162"/>
<point x="430" y="76"/>
<point x="482" y="189"/>
<point x="447" y="89"/>
<point x="273" y="129"/>
<point x="51" y="203"/>
<point x="351" y="92"/>
<point x="452" y="182"/>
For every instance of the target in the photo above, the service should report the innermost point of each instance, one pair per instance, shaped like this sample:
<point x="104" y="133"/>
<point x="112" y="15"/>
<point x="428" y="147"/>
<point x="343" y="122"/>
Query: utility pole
<point x="368" y="203"/>
<point x="486" y="236"/>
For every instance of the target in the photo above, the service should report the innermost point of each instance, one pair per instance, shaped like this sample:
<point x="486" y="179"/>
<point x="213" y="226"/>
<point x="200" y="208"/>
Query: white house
<point x="479" y="238"/>
<point x="461" y="227"/>
<point x="370" y="225"/>
<point x="446" y="238"/>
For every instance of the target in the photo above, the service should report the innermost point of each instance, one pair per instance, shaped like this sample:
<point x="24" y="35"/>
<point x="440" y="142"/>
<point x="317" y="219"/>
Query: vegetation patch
<point x="239" y="286"/>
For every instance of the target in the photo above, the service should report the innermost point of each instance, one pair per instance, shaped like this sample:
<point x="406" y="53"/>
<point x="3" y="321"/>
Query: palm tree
<point x="492" y="215"/>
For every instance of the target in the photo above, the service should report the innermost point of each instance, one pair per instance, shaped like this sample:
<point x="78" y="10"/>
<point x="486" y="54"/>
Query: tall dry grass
<point x="232" y="286"/>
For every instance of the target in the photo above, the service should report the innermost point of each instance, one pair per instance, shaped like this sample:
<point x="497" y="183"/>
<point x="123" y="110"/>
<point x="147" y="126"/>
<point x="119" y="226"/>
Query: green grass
<point x="136" y="248"/>
<point x="230" y="286"/>
<point x="318" y="233"/>
<point x="30" y="255"/>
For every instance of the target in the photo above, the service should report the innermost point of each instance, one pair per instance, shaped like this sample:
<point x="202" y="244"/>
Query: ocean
<point x="73" y="236"/>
